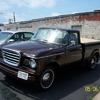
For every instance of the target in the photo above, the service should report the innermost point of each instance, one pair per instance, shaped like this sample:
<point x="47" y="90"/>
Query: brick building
<point x="87" y="22"/>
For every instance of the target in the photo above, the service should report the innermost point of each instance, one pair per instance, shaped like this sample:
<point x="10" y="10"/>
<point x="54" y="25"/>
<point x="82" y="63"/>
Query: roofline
<point x="60" y="16"/>
<point x="59" y="29"/>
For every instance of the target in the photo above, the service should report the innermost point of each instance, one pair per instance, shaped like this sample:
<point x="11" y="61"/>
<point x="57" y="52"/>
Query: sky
<point x="33" y="9"/>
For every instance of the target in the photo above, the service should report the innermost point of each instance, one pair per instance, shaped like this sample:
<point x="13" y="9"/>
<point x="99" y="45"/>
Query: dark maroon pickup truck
<point x="49" y="49"/>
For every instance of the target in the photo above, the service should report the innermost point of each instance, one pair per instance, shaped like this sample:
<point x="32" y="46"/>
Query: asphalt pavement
<point x="75" y="83"/>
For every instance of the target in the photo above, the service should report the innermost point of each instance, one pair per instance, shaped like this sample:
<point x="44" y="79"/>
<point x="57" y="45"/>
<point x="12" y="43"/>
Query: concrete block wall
<point x="88" y="23"/>
<point x="91" y="29"/>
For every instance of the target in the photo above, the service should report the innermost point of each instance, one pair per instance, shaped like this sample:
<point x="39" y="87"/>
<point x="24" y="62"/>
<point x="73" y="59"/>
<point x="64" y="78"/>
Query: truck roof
<point x="69" y="30"/>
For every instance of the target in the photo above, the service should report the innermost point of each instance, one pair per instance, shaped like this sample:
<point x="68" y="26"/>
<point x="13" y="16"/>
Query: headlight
<point x="32" y="63"/>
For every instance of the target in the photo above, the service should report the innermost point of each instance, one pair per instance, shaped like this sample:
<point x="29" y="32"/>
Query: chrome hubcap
<point x="92" y="61"/>
<point x="47" y="79"/>
<point x="46" y="76"/>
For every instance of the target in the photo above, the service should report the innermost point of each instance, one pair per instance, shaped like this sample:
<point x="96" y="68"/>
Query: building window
<point x="77" y="27"/>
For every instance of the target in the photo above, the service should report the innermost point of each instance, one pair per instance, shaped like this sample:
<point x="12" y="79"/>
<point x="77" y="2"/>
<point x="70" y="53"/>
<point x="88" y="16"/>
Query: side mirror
<point x="11" y="40"/>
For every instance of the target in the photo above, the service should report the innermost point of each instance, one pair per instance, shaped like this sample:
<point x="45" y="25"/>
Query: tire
<point x="93" y="62"/>
<point x="47" y="78"/>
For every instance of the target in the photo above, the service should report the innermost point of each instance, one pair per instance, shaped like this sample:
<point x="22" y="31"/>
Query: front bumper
<point x="13" y="72"/>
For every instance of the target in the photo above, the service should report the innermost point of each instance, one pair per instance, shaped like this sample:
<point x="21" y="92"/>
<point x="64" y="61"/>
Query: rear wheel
<point x="93" y="62"/>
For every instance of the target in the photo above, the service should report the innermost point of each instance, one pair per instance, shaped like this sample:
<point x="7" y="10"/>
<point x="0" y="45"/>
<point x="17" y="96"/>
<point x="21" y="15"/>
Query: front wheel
<point x="47" y="78"/>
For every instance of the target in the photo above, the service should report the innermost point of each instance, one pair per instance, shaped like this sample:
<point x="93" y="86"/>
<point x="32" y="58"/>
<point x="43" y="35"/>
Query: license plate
<point x="22" y="75"/>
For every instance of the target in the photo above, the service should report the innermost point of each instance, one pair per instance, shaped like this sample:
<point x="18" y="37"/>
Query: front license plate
<point x="22" y="75"/>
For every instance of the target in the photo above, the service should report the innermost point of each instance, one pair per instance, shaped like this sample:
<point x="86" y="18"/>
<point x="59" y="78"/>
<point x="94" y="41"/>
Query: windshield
<point x="49" y="35"/>
<point x="4" y="36"/>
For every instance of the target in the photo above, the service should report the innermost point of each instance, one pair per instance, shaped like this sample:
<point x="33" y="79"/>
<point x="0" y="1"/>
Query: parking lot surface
<point x="70" y="84"/>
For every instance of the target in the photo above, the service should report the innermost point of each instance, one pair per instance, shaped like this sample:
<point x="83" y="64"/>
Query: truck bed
<point x="87" y="40"/>
<point x="90" y="45"/>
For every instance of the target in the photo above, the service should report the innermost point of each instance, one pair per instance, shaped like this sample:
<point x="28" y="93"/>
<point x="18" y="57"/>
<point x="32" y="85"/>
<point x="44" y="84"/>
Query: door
<point x="73" y="49"/>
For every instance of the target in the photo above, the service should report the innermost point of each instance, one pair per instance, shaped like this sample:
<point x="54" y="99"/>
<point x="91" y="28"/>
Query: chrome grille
<point x="11" y="57"/>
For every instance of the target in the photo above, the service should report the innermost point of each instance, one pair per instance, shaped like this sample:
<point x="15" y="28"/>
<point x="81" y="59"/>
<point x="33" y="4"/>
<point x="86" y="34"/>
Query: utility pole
<point x="14" y="20"/>
<point x="14" y="17"/>
<point x="11" y="20"/>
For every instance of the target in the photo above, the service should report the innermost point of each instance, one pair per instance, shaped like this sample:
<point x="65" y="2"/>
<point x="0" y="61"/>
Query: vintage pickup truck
<point x="50" y="48"/>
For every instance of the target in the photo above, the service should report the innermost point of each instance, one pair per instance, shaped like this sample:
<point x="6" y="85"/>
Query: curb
<point x="97" y="97"/>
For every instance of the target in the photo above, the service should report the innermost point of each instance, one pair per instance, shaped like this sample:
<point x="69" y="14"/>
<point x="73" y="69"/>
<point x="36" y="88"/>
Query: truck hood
<point x="32" y="48"/>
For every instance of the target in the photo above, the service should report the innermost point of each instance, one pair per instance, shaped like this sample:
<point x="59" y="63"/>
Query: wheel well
<point x="53" y="65"/>
<point x="96" y="53"/>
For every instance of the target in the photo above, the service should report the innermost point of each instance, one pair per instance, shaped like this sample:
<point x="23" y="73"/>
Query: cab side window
<point x="22" y="36"/>
<point x="73" y="38"/>
<point x="27" y="36"/>
<point x="15" y="37"/>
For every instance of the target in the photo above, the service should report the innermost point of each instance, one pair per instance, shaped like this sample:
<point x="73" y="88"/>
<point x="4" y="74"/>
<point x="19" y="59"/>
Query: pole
<point x="14" y="18"/>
